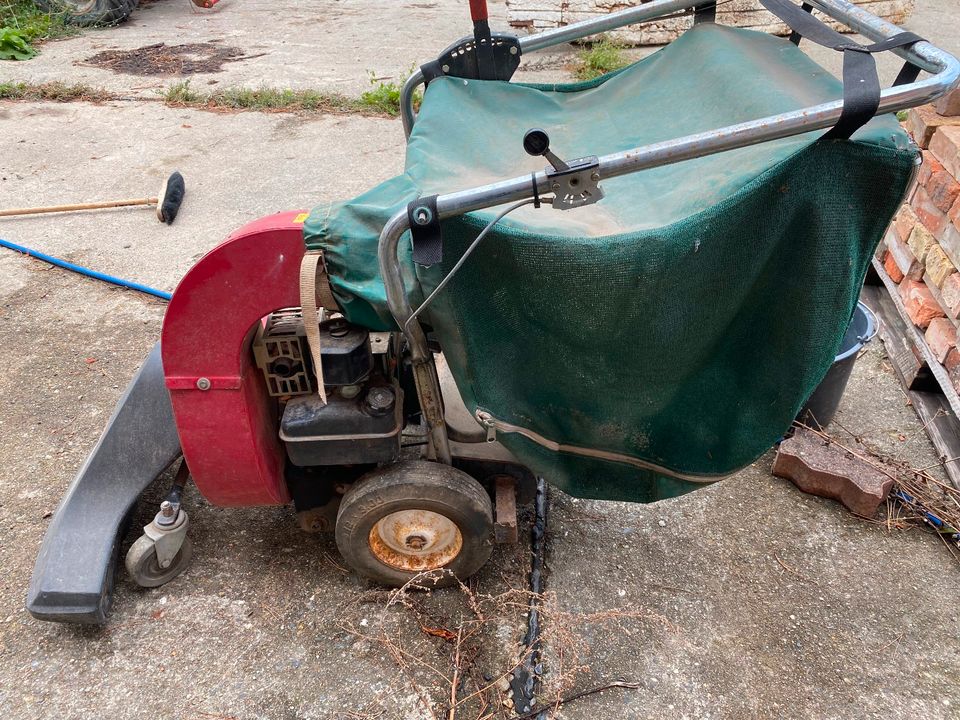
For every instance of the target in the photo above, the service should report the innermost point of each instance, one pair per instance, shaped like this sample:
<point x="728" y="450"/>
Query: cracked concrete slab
<point x="743" y="600"/>
<point x="317" y="44"/>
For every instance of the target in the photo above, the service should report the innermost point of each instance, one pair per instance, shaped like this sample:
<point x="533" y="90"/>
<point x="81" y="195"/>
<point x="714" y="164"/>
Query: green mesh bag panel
<point x="685" y="318"/>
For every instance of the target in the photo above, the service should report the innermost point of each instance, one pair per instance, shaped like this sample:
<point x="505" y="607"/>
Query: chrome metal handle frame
<point x="945" y="75"/>
<point x="924" y="55"/>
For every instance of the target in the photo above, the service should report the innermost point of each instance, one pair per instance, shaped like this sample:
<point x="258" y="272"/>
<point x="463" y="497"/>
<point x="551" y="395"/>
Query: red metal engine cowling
<point x="225" y="419"/>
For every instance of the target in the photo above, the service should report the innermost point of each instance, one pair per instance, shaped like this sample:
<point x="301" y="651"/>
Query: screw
<point x="513" y="51"/>
<point x="203" y="384"/>
<point x="166" y="509"/>
<point x="446" y="69"/>
<point x="595" y="176"/>
<point x="555" y="186"/>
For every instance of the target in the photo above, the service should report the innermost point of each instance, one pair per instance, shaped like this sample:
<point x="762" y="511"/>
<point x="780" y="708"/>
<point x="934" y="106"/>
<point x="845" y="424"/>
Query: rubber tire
<point x="91" y="12"/>
<point x="415" y="484"/>
<point x="145" y="571"/>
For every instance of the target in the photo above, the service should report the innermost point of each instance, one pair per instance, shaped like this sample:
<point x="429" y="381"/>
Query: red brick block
<point x="952" y="361"/>
<point x="890" y="265"/>
<point x="949" y="104"/>
<point x="904" y="221"/>
<point x="825" y="469"/>
<point x="930" y="215"/>
<point x="928" y="167"/>
<point x="945" y="146"/>
<point x="954" y="213"/>
<point x="924" y="121"/>
<point x="941" y="337"/>
<point x="943" y="190"/>
<point x="920" y="304"/>
<point x="950" y="293"/>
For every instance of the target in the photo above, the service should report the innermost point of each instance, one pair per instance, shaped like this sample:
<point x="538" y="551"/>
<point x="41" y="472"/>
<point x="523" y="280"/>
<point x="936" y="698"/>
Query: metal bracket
<point x="460" y="59"/>
<point x="167" y="539"/>
<point x="577" y="186"/>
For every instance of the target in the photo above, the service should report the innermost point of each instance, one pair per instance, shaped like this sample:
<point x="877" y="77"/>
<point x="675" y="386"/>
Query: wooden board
<point x="929" y="403"/>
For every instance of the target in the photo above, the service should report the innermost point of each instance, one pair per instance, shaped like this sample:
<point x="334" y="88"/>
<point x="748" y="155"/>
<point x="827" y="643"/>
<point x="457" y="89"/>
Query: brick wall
<point x="921" y="251"/>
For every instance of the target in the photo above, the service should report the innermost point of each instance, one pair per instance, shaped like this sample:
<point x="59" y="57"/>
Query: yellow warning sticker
<point x="301" y="218"/>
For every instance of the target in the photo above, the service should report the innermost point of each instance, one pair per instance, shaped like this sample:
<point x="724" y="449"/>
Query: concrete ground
<point x="746" y="599"/>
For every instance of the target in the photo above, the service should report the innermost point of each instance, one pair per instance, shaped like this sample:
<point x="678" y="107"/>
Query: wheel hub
<point x="415" y="540"/>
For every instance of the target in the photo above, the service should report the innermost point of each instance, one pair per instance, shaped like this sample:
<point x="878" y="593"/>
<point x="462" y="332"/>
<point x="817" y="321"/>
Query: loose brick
<point x="904" y="221"/>
<point x="952" y="361"/>
<point x="920" y="304"/>
<point x="890" y="265"/>
<point x="921" y="240"/>
<point x="949" y="104"/>
<point x="928" y="167"/>
<point x="903" y="256"/>
<point x="930" y="215"/>
<point x="941" y="337"/>
<point x="945" y="146"/>
<point x="938" y="265"/>
<point x="950" y="293"/>
<point x="950" y="242"/>
<point x="825" y="469"/>
<point x="924" y="121"/>
<point x="943" y="190"/>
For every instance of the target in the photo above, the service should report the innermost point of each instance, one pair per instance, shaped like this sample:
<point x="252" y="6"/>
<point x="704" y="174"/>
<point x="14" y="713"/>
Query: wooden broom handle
<point x="80" y="206"/>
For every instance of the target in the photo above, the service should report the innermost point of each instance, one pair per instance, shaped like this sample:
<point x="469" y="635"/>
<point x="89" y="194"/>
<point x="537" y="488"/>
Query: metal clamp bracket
<point x="575" y="183"/>
<point x="577" y="186"/>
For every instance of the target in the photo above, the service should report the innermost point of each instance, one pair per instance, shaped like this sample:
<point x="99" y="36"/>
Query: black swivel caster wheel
<point x="414" y="517"/>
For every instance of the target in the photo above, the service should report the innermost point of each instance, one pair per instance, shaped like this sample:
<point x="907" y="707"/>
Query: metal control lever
<point x="537" y="142"/>
<point x="574" y="184"/>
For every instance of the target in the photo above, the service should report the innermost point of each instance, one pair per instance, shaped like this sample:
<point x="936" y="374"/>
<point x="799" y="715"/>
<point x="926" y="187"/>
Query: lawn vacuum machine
<point x="628" y="286"/>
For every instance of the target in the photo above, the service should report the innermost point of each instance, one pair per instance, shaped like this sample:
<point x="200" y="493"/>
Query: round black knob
<point x="536" y="141"/>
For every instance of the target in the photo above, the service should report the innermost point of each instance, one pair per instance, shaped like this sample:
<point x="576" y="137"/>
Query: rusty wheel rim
<point x="415" y="540"/>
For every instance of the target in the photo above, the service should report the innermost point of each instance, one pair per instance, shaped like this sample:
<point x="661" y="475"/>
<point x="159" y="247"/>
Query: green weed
<point x="601" y="57"/>
<point x="23" y="24"/>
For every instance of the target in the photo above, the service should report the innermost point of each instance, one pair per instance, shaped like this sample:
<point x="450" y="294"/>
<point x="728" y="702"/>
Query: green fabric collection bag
<point x="685" y="318"/>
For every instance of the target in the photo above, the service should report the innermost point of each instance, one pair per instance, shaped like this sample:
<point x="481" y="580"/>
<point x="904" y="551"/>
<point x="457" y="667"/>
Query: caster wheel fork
<point x="164" y="550"/>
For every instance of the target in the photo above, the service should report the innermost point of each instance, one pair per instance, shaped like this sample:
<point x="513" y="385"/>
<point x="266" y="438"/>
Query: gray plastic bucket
<point x="823" y="403"/>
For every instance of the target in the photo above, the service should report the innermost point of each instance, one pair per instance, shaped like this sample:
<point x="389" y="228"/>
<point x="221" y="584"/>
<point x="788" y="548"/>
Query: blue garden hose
<point x="86" y="271"/>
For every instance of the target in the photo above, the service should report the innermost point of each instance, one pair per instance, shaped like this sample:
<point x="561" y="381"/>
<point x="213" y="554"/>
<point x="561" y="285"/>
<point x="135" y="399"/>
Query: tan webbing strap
<point x="309" y="267"/>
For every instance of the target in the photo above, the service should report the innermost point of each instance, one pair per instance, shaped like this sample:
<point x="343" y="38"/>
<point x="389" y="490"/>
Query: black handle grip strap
<point x="425" y="231"/>
<point x="861" y="85"/>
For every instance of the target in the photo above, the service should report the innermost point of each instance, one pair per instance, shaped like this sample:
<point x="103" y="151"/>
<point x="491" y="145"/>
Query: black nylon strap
<point x="705" y="13"/>
<point x="425" y="230"/>
<point x="861" y="85"/>
<point x="484" y="49"/>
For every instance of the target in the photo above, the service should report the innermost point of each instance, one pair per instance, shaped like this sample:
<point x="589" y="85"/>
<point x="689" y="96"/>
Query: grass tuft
<point x="376" y="102"/>
<point x="603" y="56"/>
<point x="52" y="91"/>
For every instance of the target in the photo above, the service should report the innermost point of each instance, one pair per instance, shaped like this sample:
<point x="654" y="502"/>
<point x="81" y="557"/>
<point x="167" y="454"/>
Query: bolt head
<point x="166" y="508"/>
<point x="203" y="384"/>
